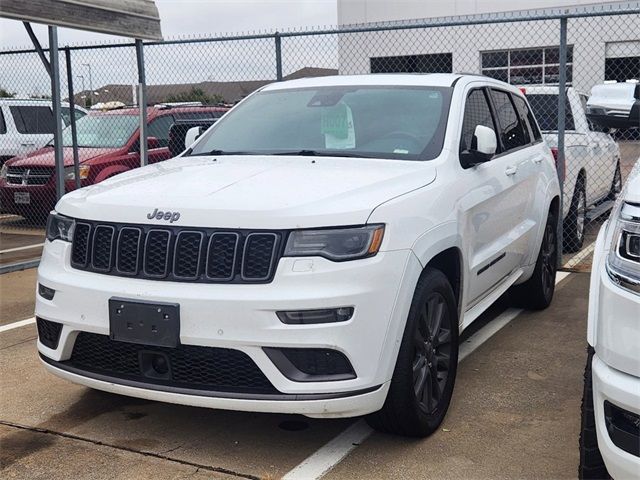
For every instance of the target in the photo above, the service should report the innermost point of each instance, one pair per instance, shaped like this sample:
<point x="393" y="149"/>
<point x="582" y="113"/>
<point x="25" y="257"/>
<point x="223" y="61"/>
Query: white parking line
<point x="329" y="455"/>
<point x="579" y="257"/>
<point x="17" y="249"/>
<point x="21" y="323"/>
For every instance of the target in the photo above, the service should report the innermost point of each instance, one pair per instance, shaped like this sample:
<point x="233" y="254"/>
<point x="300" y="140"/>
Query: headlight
<point x="69" y="173"/>
<point x="3" y="171"/>
<point x="337" y="244"/>
<point x="623" y="262"/>
<point x="60" y="227"/>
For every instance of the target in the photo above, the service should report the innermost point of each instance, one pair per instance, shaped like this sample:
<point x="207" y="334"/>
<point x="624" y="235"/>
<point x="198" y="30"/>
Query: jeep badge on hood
<point x="160" y="215"/>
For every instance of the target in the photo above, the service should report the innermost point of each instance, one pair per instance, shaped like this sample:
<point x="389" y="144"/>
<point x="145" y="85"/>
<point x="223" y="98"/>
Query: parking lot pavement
<point x="515" y="413"/>
<point x="18" y="246"/>
<point x="17" y="292"/>
<point x="515" y="410"/>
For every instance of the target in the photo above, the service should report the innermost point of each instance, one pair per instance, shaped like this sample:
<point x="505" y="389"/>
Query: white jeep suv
<point x="316" y="251"/>
<point x="610" y="437"/>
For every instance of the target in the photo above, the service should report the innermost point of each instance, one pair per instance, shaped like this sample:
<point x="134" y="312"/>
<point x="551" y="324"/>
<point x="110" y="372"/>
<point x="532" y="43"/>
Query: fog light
<point x="309" y="317"/>
<point x="46" y="292"/>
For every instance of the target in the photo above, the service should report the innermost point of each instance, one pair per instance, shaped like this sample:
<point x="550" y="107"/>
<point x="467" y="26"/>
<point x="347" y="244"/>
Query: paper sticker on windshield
<point x="336" y="125"/>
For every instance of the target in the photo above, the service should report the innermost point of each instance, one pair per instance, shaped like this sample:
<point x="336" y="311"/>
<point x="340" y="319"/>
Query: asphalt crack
<point x="160" y="456"/>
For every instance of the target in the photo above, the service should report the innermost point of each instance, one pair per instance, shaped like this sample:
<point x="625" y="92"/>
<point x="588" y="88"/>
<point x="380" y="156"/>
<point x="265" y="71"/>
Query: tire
<point x="616" y="183"/>
<point x="425" y="371"/>
<point x="575" y="224"/>
<point x="591" y="463"/>
<point x="537" y="292"/>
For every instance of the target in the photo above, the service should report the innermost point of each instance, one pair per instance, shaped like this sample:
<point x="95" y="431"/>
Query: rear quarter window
<point x="3" y="125"/>
<point x="32" y="119"/>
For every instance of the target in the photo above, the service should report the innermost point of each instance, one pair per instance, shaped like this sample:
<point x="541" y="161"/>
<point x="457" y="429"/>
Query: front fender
<point x="599" y="255"/>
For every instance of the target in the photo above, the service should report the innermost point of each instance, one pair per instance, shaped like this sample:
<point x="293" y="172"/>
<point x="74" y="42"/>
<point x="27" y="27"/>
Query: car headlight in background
<point x="337" y="244"/>
<point x="623" y="262"/>
<point x="60" y="227"/>
<point x="83" y="170"/>
<point x="3" y="171"/>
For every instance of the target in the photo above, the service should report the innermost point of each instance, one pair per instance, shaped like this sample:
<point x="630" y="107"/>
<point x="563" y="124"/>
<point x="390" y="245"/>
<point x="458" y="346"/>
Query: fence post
<point x="562" y="101"/>
<point x="278" y="40"/>
<point x="57" y="117"/>
<point x="142" y="103"/>
<point x="72" y="109"/>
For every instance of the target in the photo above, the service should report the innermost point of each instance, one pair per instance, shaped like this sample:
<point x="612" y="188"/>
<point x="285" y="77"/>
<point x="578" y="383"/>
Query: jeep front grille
<point x="176" y="253"/>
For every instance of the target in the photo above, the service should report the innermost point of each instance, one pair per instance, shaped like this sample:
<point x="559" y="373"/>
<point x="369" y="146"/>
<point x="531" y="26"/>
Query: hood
<point x="250" y="191"/>
<point x="45" y="157"/>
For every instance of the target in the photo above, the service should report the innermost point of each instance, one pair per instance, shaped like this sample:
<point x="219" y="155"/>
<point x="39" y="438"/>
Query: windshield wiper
<point x="219" y="152"/>
<point x="317" y="153"/>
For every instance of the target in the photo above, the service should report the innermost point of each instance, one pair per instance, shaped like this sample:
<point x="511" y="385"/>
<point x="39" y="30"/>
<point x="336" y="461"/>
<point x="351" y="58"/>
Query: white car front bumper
<point x="623" y="392"/>
<point x="242" y="317"/>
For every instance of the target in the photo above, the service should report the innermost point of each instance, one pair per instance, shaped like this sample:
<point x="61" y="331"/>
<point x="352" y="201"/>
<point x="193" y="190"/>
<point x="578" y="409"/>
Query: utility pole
<point x="88" y="65"/>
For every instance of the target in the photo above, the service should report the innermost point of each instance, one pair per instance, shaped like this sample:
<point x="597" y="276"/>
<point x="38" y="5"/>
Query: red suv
<point x="108" y="144"/>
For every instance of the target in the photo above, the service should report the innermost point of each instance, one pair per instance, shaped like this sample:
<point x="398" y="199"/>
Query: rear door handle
<point x="538" y="159"/>
<point x="511" y="170"/>
<point x="27" y="144"/>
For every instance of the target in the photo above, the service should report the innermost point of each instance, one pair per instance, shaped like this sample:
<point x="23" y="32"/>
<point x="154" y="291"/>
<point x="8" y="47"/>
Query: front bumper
<point x="42" y="199"/>
<point x="623" y="391"/>
<point x="242" y="317"/>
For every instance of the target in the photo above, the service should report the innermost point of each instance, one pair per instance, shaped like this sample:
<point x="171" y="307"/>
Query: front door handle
<point x="511" y="170"/>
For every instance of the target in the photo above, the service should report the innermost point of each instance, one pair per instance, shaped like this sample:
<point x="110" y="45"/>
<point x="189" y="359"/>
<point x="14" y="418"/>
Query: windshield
<point x="102" y="131"/>
<point x="373" y="122"/>
<point x="545" y="109"/>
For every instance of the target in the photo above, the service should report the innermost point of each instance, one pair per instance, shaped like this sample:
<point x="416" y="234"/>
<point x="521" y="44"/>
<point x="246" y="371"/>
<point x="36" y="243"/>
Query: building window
<point x="527" y="66"/>
<point x="622" y="61"/>
<point x="431" y="63"/>
<point x="622" y="69"/>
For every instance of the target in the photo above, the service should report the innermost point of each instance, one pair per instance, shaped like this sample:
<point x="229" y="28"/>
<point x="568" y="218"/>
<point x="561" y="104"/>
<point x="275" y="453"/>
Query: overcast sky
<point x="198" y="17"/>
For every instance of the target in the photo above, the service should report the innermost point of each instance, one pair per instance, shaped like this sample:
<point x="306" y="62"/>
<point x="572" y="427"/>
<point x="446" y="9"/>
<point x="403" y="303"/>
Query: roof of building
<point x="230" y="92"/>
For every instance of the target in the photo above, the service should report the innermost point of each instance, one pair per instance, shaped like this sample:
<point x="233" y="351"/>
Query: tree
<point x="6" y="94"/>
<point x="195" y="95"/>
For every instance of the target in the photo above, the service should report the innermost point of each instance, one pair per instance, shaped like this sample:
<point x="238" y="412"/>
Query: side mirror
<point x="484" y="144"/>
<point x="192" y="135"/>
<point x="153" y="142"/>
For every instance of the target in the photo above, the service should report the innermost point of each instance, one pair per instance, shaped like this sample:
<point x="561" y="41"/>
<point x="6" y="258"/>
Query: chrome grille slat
<point x="180" y="254"/>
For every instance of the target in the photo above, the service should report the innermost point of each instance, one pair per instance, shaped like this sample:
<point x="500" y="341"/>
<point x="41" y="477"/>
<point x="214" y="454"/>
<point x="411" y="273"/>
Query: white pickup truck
<point x="592" y="158"/>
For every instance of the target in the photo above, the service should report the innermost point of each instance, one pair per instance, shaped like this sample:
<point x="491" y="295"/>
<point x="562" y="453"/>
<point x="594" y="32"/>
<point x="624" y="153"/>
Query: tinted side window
<point x="476" y="112"/>
<point x="32" y="119"/>
<point x="510" y="128"/>
<point x="528" y="123"/>
<point x="3" y="125"/>
<point x="159" y="128"/>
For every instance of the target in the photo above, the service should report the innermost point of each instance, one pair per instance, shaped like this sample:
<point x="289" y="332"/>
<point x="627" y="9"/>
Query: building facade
<point x="603" y="48"/>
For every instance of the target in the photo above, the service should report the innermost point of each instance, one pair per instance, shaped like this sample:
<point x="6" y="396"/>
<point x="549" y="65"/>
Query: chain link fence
<point x="591" y="125"/>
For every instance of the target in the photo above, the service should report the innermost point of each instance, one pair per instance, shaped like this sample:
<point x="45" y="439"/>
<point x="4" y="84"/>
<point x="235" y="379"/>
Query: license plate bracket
<point x="142" y="322"/>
